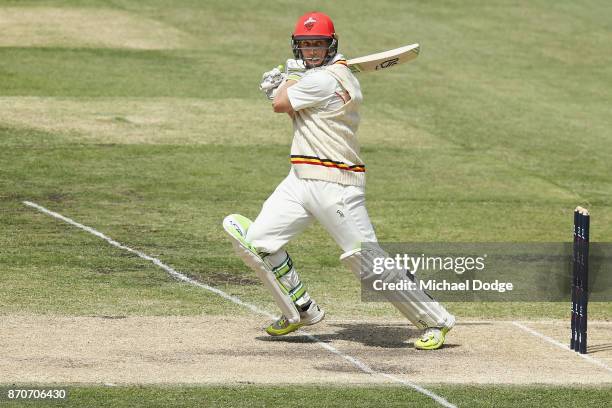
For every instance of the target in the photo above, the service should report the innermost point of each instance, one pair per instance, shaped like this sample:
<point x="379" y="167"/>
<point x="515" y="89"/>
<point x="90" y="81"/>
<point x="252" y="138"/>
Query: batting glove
<point x="272" y="79"/>
<point x="295" y="69"/>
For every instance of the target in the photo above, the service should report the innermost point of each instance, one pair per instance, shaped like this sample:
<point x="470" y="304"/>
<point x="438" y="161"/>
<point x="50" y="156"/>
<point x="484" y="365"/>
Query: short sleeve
<point x="313" y="90"/>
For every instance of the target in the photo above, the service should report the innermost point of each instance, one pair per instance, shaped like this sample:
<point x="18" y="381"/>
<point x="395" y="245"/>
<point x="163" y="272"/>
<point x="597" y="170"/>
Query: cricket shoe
<point x="433" y="338"/>
<point x="312" y="315"/>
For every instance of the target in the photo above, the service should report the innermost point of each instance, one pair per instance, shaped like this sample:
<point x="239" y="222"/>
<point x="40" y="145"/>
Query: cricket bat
<point x="384" y="60"/>
<point x="372" y="62"/>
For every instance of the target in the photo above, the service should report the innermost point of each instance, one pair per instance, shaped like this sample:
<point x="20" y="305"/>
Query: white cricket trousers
<point x="296" y="203"/>
<point x="341" y="209"/>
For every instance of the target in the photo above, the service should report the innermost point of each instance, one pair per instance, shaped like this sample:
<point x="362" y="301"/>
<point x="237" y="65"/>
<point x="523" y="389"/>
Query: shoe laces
<point x="282" y="321"/>
<point x="431" y="332"/>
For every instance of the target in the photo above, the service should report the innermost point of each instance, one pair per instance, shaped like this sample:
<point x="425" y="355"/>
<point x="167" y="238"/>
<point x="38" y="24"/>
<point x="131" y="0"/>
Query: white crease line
<point x="588" y="358"/>
<point x="549" y="321"/>
<point x="356" y="362"/>
<point x="156" y="261"/>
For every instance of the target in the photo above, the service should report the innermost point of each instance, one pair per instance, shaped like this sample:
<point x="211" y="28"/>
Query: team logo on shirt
<point x="309" y="23"/>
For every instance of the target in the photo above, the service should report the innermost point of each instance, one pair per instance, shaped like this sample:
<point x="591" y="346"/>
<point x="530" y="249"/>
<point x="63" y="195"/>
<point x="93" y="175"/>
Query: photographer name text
<point x="443" y="285"/>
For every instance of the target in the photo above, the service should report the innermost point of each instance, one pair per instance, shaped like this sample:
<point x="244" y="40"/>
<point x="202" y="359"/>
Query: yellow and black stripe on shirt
<point x="316" y="161"/>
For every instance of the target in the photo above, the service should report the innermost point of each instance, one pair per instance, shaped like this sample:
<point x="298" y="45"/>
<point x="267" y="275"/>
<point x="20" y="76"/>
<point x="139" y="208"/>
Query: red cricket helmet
<point x="315" y="26"/>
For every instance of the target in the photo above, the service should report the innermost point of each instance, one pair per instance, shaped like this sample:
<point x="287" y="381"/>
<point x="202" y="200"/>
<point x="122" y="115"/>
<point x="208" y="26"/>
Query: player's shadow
<point x="389" y="336"/>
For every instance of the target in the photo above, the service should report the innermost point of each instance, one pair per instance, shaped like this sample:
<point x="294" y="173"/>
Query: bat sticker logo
<point x="309" y="23"/>
<point x="388" y="63"/>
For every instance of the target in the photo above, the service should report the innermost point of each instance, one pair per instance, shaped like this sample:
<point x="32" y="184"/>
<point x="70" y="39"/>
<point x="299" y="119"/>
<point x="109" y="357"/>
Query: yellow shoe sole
<point x="291" y="327"/>
<point x="286" y="330"/>
<point x="429" y="345"/>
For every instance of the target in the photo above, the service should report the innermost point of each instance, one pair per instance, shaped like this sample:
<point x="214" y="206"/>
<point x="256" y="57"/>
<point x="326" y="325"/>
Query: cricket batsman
<point x="326" y="183"/>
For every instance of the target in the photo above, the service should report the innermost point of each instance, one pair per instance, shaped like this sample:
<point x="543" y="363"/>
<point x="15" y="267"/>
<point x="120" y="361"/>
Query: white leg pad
<point x="236" y="226"/>
<point x="416" y="305"/>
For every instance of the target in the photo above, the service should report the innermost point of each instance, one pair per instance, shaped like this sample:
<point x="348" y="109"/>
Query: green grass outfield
<point x="334" y="396"/>
<point x="495" y="133"/>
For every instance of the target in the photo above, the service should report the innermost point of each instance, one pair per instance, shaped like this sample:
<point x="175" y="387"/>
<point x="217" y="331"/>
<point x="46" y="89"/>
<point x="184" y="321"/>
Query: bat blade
<point x="384" y="60"/>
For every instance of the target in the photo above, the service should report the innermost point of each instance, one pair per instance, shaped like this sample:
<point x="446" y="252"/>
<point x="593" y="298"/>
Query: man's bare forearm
<point x="281" y="103"/>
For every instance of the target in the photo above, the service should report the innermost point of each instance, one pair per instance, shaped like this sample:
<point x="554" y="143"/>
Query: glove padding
<point x="295" y="69"/>
<point x="270" y="93"/>
<point x="271" y="80"/>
